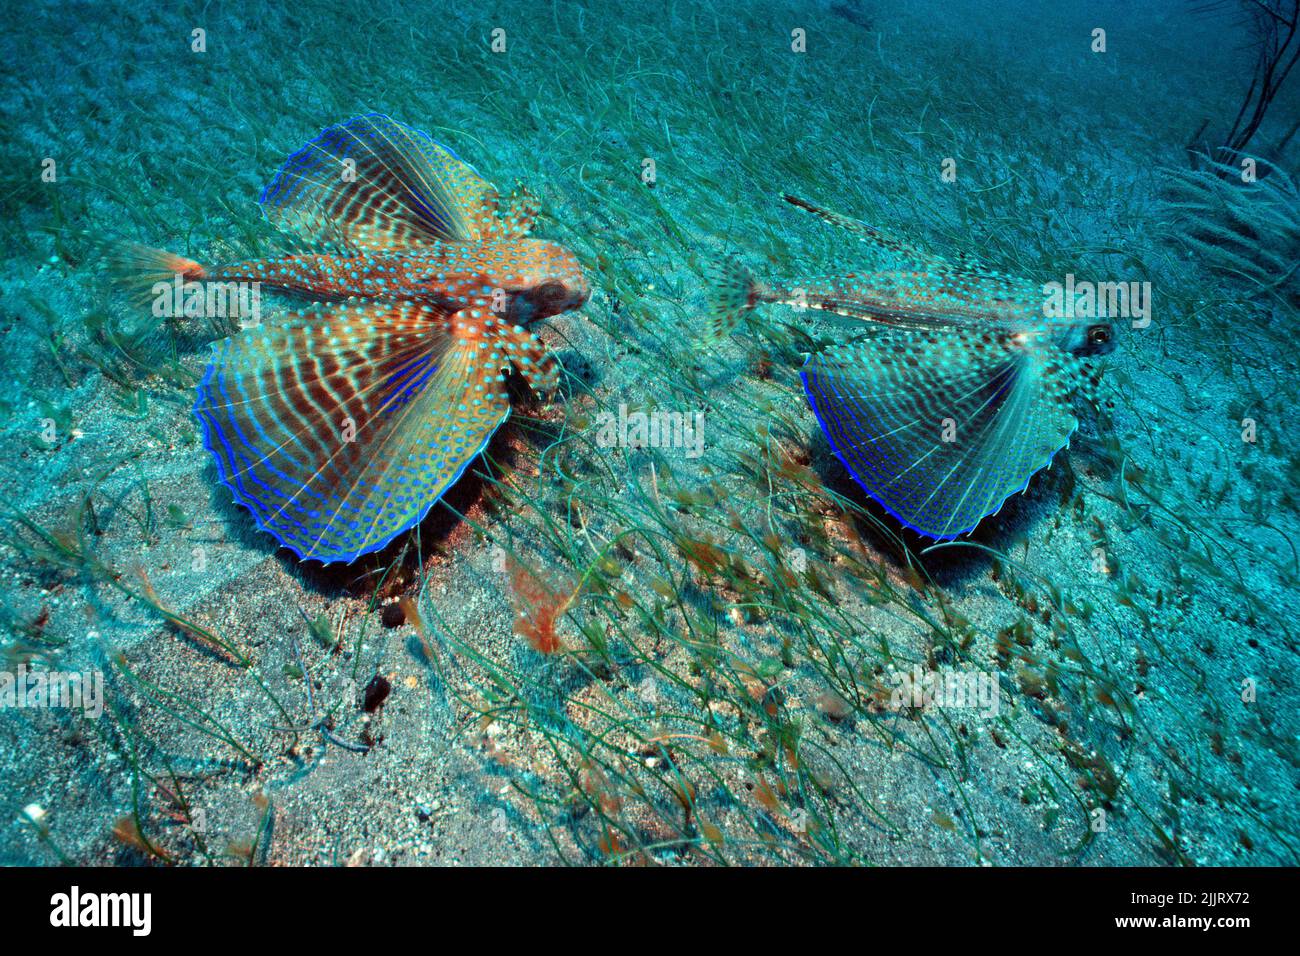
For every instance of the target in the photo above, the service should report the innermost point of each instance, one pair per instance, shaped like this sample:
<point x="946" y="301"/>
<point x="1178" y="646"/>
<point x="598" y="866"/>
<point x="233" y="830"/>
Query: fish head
<point x="1086" y="338"/>
<point x="542" y="279"/>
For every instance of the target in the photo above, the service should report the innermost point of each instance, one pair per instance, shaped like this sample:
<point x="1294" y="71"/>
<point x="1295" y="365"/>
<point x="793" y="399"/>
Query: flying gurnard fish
<point x="339" y="426"/>
<point x="960" y="391"/>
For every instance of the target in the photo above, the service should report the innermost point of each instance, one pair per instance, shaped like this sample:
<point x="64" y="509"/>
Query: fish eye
<point x="549" y="293"/>
<point x="544" y="300"/>
<point x="1099" y="334"/>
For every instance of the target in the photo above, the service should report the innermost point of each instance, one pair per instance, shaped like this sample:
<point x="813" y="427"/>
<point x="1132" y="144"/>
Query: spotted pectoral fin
<point x="531" y="359"/>
<point x="518" y="213"/>
<point x="340" y="428"/>
<point x="941" y="427"/>
<point x="374" y="184"/>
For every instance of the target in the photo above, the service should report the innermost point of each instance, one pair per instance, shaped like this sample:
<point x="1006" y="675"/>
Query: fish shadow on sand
<point x="954" y="565"/>
<point x="579" y="376"/>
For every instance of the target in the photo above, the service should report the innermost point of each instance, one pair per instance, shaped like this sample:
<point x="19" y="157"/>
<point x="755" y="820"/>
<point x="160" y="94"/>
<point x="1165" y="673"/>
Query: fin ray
<point x="887" y="407"/>
<point x="734" y="291"/>
<point x="375" y="184"/>
<point x="340" y="428"/>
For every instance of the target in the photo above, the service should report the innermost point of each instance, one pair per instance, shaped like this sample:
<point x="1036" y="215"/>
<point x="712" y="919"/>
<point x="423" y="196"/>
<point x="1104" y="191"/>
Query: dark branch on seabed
<point x="1276" y="27"/>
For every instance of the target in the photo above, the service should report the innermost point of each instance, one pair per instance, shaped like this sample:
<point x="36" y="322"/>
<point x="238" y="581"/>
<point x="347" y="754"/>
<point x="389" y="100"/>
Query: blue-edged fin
<point x="374" y="184"/>
<point x="341" y="427"/>
<point x="942" y="427"/>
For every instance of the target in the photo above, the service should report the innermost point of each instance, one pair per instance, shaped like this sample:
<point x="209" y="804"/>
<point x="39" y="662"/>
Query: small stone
<point x="377" y="692"/>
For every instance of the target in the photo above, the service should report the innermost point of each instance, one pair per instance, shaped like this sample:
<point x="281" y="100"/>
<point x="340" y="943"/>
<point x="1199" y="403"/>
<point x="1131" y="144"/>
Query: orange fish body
<point x="341" y="424"/>
<point x="456" y="275"/>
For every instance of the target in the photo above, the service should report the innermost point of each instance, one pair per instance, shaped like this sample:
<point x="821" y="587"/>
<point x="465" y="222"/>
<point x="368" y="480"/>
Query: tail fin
<point x="734" y="291"/>
<point x="136" y="269"/>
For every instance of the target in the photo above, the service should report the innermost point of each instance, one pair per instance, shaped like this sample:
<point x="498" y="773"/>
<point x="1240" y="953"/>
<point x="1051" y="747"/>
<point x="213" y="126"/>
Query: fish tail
<point x="136" y="269"/>
<point x="734" y="291"/>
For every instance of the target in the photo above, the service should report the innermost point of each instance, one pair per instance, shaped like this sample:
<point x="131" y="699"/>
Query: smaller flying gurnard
<point x="959" y="390"/>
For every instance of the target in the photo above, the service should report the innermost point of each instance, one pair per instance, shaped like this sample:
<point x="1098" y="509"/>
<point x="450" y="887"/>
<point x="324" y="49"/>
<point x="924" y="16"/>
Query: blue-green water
<point x="661" y="604"/>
